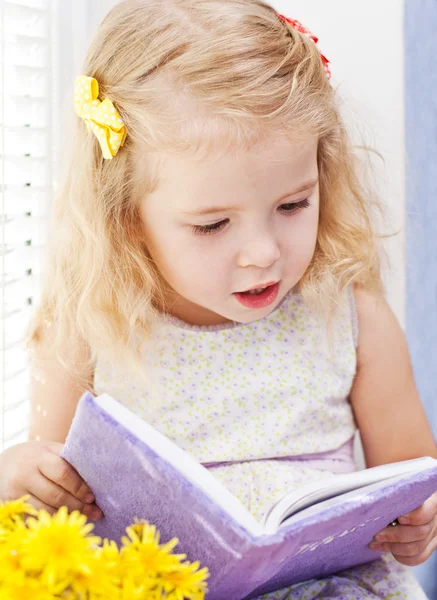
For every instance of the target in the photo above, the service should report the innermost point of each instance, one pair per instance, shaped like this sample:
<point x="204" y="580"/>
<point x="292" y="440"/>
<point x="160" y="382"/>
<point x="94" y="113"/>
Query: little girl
<point x="212" y="266"/>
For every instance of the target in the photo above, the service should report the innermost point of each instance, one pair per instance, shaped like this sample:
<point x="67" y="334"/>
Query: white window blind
<point x="27" y="110"/>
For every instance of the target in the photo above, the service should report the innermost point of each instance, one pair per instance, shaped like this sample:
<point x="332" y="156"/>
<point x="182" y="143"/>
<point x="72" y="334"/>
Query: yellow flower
<point x="11" y="552"/>
<point x="135" y="590"/>
<point x="49" y="558"/>
<point x="58" y="546"/>
<point x="140" y="533"/>
<point x="24" y="588"/>
<point x="143" y="535"/>
<point x="142" y="554"/>
<point x="103" y="581"/>
<point x="10" y="511"/>
<point x="186" y="581"/>
<point x="109" y="554"/>
<point x="162" y="572"/>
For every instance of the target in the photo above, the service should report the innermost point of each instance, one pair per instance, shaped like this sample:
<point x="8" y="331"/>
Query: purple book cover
<point x="130" y="480"/>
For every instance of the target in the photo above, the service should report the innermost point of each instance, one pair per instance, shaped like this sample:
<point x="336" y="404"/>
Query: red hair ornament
<point x="297" y="25"/>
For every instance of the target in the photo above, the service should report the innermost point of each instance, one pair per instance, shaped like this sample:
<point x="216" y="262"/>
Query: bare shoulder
<point x="376" y="320"/>
<point x="384" y="397"/>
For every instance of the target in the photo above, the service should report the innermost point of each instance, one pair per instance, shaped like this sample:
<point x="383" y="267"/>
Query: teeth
<point x="258" y="291"/>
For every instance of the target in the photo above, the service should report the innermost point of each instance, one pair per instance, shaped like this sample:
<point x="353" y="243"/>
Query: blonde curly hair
<point x="241" y="72"/>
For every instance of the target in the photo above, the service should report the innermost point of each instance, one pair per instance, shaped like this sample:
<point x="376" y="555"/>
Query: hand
<point x="35" y="469"/>
<point x="415" y="539"/>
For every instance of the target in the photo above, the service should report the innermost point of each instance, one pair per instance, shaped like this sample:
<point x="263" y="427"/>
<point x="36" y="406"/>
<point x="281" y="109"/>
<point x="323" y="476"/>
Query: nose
<point x="261" y="249"/>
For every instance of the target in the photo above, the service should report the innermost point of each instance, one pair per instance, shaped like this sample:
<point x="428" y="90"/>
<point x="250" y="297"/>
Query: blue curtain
<point x="420" y="27"/>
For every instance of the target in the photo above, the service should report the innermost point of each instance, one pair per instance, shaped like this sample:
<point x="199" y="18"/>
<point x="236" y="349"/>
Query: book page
<point x="334" y="486"/>
<point x="335" y="500"/>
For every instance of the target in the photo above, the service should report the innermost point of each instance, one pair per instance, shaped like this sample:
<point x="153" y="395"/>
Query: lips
<point x="259" y="288"/>
<point x="258" y="297"/>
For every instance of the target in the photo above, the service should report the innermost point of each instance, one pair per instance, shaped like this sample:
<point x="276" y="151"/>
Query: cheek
<point x="164" y="249"/>
<point x="300" y="238"/>
<point x="187" y="262"/>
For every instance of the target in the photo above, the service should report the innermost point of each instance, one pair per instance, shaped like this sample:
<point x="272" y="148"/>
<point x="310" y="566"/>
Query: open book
<point x="136" y="472"/>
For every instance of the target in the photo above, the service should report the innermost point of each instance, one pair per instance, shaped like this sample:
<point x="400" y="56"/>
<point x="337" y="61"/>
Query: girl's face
<point x="219" y="227"/>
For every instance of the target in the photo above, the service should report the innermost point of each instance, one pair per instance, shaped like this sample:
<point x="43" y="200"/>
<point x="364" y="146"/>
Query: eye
<point x="208" y="229"/>
<point x="292" y="207"/>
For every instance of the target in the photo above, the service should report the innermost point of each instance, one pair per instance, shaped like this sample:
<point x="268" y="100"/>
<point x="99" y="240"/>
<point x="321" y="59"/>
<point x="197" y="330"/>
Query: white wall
<point x="364" y="42"/>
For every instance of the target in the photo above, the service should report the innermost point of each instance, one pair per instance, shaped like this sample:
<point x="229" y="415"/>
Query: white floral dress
<point x="265" y="406"/>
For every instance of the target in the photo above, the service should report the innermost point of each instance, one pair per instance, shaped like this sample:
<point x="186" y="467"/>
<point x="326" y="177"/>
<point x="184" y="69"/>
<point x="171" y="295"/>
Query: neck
<point x="191" y="313"/>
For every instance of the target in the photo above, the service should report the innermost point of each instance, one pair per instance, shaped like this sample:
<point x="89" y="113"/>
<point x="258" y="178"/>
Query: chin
<point x="250" y="315"/>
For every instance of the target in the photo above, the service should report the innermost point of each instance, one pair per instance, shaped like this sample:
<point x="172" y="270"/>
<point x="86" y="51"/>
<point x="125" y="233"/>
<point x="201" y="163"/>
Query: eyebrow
<point x="218" y="209"/>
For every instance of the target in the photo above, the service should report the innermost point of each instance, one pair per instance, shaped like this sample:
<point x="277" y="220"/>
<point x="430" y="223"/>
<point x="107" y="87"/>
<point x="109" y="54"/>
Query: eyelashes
<point x="208" y="229"/>
<point x="287" y="209"/>
<point x="293" y="207"/>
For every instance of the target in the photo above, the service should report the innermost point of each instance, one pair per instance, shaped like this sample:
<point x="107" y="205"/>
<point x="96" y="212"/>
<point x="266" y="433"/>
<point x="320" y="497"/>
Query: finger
<point x="55" y="496"/>
<point x="58" y="470"/>
<point x="418" y="559"/>
<point x="421" y="515"/>
<point x="39" y="504"/>
<point x="411" y="562"/>
<point x="407" y="550"/>
<point x="405" y="533"/>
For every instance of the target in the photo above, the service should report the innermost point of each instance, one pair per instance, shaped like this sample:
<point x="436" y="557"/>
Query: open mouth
<point x="258" y="297"/>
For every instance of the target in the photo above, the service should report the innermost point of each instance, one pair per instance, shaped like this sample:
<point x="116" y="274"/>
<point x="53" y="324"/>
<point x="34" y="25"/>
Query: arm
<point x="35" y="468"/>
<point x="385" y="401"/>
<point x="392" y="422"/>
<point x="54" y="394"/>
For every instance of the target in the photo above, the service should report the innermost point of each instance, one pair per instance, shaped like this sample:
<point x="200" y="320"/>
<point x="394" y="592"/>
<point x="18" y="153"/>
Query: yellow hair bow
<point x="99" y="116"/>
